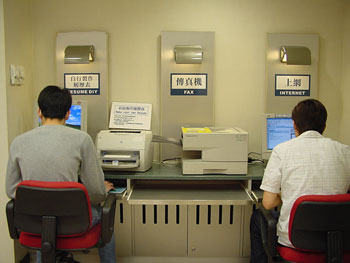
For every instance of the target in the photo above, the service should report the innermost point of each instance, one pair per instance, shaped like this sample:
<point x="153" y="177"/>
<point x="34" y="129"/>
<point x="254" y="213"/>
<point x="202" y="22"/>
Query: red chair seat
<point x="87" y="240"/>
<point x="294" y="255"/>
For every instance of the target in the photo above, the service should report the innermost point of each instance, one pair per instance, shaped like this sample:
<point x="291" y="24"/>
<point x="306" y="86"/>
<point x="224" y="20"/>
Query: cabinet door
<point x="160" y="230"/>
<point x="247" y="213"/>
<point x="122" y="229"/>
<point x="214" y="230"/>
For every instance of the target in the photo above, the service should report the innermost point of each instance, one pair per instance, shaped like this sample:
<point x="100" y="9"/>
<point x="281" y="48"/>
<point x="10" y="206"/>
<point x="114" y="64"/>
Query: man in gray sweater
<point x="54" y="152"/>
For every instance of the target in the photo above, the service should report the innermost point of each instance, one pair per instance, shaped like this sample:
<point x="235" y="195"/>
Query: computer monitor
<point x="77" y="118"/>
<point x="276" y="129"/>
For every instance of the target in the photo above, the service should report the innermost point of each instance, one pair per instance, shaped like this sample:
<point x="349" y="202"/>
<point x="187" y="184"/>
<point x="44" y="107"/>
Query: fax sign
<point x="292" y="85"/>
<point x="188" y="84"/>
<point x="82" y="83"/>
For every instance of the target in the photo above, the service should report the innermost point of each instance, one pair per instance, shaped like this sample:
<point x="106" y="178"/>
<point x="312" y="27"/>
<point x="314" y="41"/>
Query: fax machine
<point x="126" y="150"/>
<point x="214" y="150"/>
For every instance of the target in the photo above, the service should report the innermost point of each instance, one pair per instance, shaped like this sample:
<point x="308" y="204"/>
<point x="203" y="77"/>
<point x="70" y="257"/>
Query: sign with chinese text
<point x="126" y="115"/>
<point x="188" y="84"/>
<point x="82" y="83"/>
<point x="292" y="85"/>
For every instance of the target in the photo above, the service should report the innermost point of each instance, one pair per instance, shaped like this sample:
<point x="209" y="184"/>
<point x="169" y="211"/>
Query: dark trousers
<point x="257" y="254"/>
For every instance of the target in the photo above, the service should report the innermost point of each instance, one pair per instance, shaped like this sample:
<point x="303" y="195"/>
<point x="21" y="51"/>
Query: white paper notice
<point x="135" y="116"/>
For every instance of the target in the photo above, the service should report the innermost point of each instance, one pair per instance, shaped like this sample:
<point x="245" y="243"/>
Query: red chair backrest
<point x="68" y="201"/>
<point x="313" y="216"/>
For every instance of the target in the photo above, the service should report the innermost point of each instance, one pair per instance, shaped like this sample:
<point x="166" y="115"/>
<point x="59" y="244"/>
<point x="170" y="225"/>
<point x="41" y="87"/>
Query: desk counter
<point x="173" y="172"/>
<point x="164" y="184"/>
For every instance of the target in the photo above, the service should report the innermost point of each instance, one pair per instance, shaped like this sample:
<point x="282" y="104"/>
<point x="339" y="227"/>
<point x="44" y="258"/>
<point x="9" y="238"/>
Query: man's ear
<point x="67" y="115"/>
<point x="40" y="114"/>
<point x="296" y="131"/>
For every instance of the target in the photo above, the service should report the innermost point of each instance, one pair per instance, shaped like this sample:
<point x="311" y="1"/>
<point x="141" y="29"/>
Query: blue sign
<point x="292" y="85"/>
<point x="82" y="83"/>
<point x="189" y="84"/>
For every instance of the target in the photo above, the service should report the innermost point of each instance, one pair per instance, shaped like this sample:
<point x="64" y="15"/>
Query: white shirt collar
<point x="311" y="134"/>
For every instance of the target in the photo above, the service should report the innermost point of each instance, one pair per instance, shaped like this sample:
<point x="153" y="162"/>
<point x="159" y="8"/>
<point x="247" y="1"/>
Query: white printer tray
<point x="119" y="159"/>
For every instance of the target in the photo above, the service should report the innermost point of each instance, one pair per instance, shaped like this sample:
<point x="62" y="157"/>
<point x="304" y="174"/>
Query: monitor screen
<point x="276" y="129"/>
<point x="77" y="118"/>
<point x="74" y="119"/>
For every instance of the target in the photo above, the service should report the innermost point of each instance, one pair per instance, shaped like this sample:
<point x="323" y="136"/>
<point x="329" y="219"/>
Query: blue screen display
<point x="279" y="130"/>
<point x="74" y="119"/>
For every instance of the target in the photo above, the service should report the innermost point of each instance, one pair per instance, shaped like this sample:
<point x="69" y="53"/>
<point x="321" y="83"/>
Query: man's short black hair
<point x="54" y="102"/>
<point x="309" y="115"/>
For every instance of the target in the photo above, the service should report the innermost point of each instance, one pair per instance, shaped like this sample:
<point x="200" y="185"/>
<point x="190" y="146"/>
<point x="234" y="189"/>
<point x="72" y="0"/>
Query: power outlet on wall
<point x="16" y="75"/>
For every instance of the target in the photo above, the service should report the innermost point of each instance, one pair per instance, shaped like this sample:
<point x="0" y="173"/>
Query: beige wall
<point x="134" y="51"/>
<point x="6" y="244"/>
<point x="345" y="87"/>
<point x="134" y="28"/>
<point x="19" y="51"/>
<point x="240" y="25"/>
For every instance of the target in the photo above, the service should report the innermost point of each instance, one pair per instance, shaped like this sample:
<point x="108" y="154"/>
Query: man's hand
<point x="109" y="186"/>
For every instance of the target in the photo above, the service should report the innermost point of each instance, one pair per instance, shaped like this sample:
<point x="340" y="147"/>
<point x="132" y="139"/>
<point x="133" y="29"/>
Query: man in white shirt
<point x="307" y="164"/>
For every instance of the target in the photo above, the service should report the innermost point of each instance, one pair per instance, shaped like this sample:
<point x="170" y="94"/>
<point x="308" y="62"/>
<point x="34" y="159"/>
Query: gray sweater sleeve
<point x="91" y="174"/>
<point x="13" y="175"/>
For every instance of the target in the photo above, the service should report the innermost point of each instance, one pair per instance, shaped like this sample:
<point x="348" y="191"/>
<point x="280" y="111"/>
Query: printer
<point x="125" y="150"/>
<point x="214" y="150"/>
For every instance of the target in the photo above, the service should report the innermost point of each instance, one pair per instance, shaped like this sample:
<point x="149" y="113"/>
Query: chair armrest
<point x="268" y="232"/>
<point x="10" y="214"/>
<point x="107" y="221"/>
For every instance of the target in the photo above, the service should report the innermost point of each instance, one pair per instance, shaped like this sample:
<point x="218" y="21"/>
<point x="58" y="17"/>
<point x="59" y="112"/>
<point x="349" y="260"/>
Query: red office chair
<point x="56" y="216"/>
<point x="319" y="229"/>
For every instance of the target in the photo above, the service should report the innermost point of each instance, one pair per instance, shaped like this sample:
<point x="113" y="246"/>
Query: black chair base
<point x="65" y="257"/>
